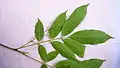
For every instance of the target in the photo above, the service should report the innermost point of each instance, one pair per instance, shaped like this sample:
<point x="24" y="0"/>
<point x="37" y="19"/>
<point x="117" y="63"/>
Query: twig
<point x="40" y="42"/>
<point x="26" y="44"/>
<point x="23" y="53"/>
<point x="30" y="41"/>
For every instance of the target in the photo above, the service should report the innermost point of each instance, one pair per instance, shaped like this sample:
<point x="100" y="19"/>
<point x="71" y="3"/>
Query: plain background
<point x="18" y="17"/>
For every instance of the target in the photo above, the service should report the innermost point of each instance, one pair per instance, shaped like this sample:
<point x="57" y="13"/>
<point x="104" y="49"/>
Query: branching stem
<point x="23" y="53"/>
<point x="23" y="46"/>
<point x="26" y="44"/>
<point x="39" y="43"/>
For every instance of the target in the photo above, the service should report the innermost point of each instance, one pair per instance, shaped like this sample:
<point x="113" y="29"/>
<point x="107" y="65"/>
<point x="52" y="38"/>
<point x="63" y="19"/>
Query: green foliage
<point x="44" y="66"/>
<point x="57" y="25"/>
<point x="52" y="55"/>
<point x="63" y="50"/>
<point x="90" y="36"/>
<point x="39" y="30"/>
<point x="44" y="56"/>
<point x="70" y="46"/>
<point x="42" y="52"/>
<point x="91" y="63"/>
<point x="66" y="64"/>
<point x="74" y="20"/>
<point x="74" y="44"/>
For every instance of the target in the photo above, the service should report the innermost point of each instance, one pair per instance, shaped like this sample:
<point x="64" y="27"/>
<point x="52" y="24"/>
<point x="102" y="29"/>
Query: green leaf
<point x="92" y="63"/>
<point x="66" y="64"/>
<point x="46" y="57"/>
<point x="75" y="46"/>
<point x="52" y="55"/>
<point x="57" y="25"/>
<point x="39" y="30"/>
<point x="90" y="36"/>
<point x="63" y="50"/>
<point x="42" y="52"/>
<point x="74" y="20"/>
<point x="44" y="66"/>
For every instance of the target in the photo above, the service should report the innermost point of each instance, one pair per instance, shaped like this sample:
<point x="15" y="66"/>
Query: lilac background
<point x="17" y="19"/>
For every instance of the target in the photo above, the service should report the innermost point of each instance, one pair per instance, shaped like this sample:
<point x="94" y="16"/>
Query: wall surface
<point x="18" y="17"/>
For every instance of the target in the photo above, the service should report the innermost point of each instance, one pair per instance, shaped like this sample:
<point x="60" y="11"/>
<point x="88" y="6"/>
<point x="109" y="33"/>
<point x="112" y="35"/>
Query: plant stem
<point x="23" y="53"/>
<point x="26" y="43"/>
<point x="39" y="43"/>
<point x="30" y="41"/>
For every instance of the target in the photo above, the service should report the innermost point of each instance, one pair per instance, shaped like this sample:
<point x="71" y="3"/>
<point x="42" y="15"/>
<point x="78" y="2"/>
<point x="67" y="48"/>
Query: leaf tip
<point x="66" y="11"/>
<point x="104" y="60"/>
<point x="88" y="4"/>
<point x="112" y="37"/>
<point x="38" y="19"/>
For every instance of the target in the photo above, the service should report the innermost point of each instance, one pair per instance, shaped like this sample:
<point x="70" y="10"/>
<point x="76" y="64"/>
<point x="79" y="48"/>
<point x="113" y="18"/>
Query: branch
<point x="23" y="53"/>
<point x="39" y="43"/>
<point x="24" y="45"/>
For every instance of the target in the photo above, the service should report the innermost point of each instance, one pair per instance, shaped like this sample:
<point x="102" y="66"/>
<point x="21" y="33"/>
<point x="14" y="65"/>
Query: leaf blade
<point x="90" y="36"/>
<point x="91" y="63"/>
<point x="42" y="52"/>
<point x="52" y="55"/>
<point x="57" y="25"/>
<point x="39" y="30"/>
<point x="75" y="46"/>
<point x="63" y="50"/>
<point x="66" y="64"/>
<point x="74" y="20"/>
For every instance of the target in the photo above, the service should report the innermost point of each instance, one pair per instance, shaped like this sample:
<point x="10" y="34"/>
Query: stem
<point x="23" y="53"/>
<point x="30" y="41"/>
<point x="40" y="43"/>
<point x="26" y="44"/>
<point x="46" y="30"/>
